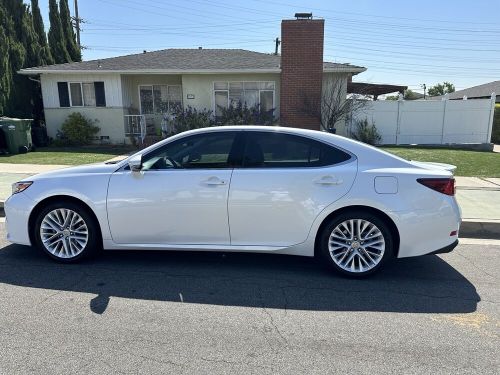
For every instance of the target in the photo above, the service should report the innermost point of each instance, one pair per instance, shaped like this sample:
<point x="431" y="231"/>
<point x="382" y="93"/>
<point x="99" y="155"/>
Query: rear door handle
<point x="214" y="181"/>
<point x="328" y="180"/>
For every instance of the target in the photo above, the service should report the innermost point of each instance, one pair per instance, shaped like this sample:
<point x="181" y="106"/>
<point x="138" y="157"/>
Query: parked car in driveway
<point x="248" y="189"/>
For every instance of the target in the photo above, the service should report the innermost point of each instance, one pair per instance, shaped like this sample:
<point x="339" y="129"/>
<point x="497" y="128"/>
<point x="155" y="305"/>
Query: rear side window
<point x="275" y="150"/>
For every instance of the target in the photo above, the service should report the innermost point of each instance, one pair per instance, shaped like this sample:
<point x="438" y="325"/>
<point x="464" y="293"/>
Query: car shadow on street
<point x="416" y="285"/>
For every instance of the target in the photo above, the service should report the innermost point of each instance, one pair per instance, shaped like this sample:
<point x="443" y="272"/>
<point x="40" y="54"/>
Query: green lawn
<point x="67" y="155"/>
<point x="469" y="163"/>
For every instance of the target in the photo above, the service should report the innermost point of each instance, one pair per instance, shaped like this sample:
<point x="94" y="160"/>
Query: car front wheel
<point x="66" y="232"/>
<point x="356" y="244"/>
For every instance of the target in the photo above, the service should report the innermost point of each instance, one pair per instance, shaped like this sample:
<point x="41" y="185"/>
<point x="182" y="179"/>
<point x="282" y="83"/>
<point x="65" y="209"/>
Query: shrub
<point x="366" y="133"/>
<point x="78" y="130"/>
<point x="495" y="134"/>
<point x="192" y="118"/>
<point x="241" y="114"/>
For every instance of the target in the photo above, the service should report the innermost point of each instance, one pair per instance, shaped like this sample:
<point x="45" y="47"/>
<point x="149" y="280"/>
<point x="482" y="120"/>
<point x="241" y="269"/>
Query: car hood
<point x="434" y="166"/>
<point x="97" y="168"/>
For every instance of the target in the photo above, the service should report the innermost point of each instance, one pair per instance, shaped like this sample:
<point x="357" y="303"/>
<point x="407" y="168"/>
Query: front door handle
<point x="214" y="181"/>
<point x="328" y="180"/>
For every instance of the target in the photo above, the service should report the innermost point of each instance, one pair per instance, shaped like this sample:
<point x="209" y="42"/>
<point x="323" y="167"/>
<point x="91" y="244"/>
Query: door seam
<point x="227" y="207"/>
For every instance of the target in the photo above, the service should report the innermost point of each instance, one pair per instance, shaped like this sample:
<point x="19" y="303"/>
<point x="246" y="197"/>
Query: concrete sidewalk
<point x="479" y="198"/>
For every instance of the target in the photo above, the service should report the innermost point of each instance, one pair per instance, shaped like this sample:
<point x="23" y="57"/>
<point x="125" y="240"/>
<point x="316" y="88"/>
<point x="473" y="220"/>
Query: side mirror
<point x="135" y="163"/>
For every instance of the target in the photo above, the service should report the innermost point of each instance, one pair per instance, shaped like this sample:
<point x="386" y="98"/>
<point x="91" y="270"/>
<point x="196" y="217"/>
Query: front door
<point x="179" y="197"/>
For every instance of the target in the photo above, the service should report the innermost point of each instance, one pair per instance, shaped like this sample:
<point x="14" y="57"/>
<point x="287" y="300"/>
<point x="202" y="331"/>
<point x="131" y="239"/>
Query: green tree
<point x="12" y="22"/>
<point x="69" y="34"/>
<point x="24" y="90"/>
<point x="19" y="48"/>
<point x="408" y="95"/>
<point x="57" y="42"/>
<point x="45" y="55"/>
<point x="5" y="74"/>
<point x="441" y="89"/>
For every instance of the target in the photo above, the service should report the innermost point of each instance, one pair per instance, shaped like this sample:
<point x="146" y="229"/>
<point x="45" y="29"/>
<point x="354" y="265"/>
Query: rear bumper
<point x="421" y="232"/>
<point x="446" y="249"/>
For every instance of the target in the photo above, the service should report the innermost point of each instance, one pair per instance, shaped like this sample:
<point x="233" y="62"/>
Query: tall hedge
<point x="45" y="55"/>
<point x="68" y="32"/>
<point x="23" y="44"/>
<point x="57" y="42"/>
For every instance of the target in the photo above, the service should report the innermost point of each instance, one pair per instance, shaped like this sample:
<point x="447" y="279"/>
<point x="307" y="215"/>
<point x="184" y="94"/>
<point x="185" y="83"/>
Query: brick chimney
<point x="301" y="70"/>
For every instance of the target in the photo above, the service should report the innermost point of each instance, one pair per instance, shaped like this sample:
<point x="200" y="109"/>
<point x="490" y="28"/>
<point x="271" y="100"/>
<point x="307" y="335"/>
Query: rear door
<point x="285" y="182"/>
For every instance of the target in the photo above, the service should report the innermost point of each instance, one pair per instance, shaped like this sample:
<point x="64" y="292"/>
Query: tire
<point x="350" y="256"/>
<point x="77" y="240"/>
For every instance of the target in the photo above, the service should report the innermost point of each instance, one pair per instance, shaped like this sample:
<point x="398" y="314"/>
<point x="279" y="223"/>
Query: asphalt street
<point x="211" y="313"/>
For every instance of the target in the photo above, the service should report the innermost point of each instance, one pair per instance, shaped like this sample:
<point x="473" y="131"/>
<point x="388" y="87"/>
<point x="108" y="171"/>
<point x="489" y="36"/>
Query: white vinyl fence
<point x="429" y="121"/>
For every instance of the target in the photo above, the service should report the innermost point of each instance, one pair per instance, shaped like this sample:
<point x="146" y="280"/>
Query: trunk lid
<point x="434" y="166"/>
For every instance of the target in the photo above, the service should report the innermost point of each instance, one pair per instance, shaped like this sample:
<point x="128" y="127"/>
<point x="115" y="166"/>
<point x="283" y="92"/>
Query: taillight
<point x="442" y="185"/>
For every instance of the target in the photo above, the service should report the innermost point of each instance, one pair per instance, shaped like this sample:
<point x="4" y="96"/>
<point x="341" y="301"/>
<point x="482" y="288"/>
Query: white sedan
<point x="247" y="189"/>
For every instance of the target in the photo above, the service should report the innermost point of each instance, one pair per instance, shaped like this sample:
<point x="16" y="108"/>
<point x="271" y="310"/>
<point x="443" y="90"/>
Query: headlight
<point x="18" y="187"/>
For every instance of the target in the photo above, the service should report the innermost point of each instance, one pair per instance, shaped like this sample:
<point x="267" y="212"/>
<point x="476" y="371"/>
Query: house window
<point x="249" y="93"/>
<point x="81" y="94"/>
<point x="158" y="99"/>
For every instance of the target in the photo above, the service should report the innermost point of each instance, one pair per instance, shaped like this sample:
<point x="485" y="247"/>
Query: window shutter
<point x="63" y="94"/>
<point x="100" y="97"/>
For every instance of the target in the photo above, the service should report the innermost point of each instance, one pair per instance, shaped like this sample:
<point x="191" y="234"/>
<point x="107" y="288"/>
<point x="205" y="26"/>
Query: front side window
<point x="250" y="94"/>
<point x="275" y="150"/>
<point x="212" y="150"/>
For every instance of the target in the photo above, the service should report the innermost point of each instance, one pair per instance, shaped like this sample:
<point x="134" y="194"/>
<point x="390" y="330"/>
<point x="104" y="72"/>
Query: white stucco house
<point x="119" y="91"/>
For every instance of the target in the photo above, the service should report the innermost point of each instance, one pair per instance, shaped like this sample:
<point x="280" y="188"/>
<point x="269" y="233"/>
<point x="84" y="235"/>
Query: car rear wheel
<point x="356" y="243"/>
<point x="66" y="232"/>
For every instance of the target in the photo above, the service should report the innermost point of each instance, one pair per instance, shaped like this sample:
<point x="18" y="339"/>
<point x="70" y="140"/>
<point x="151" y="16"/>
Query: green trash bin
<point x="17" y="134"/>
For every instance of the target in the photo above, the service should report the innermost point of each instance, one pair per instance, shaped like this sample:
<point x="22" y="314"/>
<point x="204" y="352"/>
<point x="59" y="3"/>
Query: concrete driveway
<point x="148" y="313"/>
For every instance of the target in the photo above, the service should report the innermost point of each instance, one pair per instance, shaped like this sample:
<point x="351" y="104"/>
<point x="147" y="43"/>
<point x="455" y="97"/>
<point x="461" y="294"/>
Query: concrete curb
<point x="469" y="228"/>
<point x="480" y="229"/>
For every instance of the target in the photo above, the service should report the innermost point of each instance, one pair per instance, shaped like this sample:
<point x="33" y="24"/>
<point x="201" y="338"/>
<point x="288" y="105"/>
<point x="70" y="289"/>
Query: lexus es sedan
<point x="246" y="189"/>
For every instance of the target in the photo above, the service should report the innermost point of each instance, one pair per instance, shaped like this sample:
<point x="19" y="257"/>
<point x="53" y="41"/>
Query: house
<point x="483" y="91"/>
<point x="120" y="91"/>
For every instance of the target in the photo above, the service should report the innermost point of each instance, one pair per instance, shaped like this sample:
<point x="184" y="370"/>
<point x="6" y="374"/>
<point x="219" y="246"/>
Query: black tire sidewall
<point x="373" y="218"/>
<point x="92" y="242"/>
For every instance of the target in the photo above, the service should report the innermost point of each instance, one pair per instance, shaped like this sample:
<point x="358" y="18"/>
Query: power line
<point x="375" y="15"/>
<point x="369" y="60"/>
<point x="418" y="46"/>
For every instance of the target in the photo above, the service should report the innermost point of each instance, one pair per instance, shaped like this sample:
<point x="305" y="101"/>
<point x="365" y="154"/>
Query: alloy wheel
<point x="356" y="245"/>
<point x="64" y="233"/>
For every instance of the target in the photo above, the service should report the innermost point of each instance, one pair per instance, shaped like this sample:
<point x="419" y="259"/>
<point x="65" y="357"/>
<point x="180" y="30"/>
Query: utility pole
<point x="277" y="41"/>
<point x="77" y="25"/>
<point x="424" y="87"/>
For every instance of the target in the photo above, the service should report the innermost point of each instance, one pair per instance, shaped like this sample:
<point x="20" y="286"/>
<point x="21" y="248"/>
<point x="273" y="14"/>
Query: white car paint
<point x="261" y="210"/>
<point x="183" y="206"/>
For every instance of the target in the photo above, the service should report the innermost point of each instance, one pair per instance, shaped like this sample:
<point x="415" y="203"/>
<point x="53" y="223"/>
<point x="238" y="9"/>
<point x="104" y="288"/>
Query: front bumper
<point x="17" y="210"/>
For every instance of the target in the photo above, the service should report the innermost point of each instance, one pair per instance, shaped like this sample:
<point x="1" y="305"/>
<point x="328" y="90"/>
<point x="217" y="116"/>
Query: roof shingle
<point x="185" y="60"/>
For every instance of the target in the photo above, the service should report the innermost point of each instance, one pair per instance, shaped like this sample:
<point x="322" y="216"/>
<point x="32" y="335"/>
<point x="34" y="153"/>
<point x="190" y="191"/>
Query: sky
<point x="399" y="42"/>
